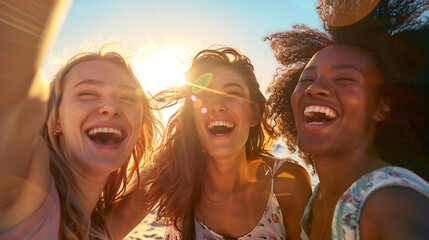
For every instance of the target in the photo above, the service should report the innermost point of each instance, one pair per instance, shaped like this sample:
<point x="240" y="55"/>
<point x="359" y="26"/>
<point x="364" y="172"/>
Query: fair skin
<point x="98" y="95"/>
<point x="24" y="161"/>
<point x="232" y="204"/>
<point x="342" y="82"/>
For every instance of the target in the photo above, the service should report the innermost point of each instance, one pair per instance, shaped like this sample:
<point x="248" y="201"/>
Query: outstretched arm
<point x="26" y="29"/>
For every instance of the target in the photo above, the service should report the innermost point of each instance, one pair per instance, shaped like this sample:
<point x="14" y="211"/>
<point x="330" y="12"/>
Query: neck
<point x="226" y="174"/>
<point x="89" y="189"/>
<point x="338" y="171"/>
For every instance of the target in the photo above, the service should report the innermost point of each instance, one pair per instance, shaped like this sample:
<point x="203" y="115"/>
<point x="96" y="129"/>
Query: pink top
<point x="42" y="224"/>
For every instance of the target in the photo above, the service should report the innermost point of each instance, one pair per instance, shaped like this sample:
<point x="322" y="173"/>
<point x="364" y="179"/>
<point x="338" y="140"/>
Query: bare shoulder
<point x="395" y="213"/>
<point x="290" y="178"/>
<point x="292" y="187"/>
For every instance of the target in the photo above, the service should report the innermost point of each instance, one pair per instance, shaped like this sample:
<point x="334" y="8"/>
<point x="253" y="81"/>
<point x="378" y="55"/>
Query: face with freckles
<point x="99" y="117"/>
<point x="223" y="113"/>
<point x="336" y="103"/>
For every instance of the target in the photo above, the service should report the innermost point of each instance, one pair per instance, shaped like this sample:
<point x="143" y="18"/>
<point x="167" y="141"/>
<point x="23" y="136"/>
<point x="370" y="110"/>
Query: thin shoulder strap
<point x="277" y="164"/>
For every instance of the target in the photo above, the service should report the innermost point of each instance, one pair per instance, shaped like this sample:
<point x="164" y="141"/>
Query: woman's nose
<point x="109" y="107"/>
<point x="217" y="103"/>
<point x="318" y="88"/>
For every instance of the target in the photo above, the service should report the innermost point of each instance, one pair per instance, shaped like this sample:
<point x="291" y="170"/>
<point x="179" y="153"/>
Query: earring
<point x="57" y="134"/>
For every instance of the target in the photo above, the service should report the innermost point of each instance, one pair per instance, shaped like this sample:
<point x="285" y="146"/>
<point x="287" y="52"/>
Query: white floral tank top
<point x="345" y="223"/>
<point x="270" y="227"/>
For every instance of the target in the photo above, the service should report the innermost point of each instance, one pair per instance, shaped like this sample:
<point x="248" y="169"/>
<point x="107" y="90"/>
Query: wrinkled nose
<point x="318" y="88"/>
<point x="109" y="108"/>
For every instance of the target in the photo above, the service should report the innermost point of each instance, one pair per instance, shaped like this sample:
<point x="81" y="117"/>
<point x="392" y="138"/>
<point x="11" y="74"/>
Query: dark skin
<point x="408" y="220"/>
<point x="343" y="80"/>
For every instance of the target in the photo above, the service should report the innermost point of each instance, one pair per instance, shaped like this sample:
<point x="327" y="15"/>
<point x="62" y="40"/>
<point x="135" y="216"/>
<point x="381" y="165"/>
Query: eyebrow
<point x="347" y="66"/>
<point x="88" y="81"/>
<point x="127" y="87"/>
<point x="341" y="66"/>
<point x="233" y="85"/>
<point x="99" y="83"/>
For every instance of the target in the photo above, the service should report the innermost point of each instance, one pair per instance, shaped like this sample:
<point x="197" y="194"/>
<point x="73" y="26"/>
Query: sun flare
<point x="160" y="68"/>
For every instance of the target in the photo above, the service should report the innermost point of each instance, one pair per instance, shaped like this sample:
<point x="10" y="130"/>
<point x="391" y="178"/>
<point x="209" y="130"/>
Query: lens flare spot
<point x="251" y="171"/>
<point x="198" y="103"/>
<point x="202" y="82"/>
<point x="283" y="194"/>
<point x="342" y="13"/>
<point x="138" y="92"/>
<point x="204" y="110"/>
<point x="285" y="175"/>
<point x="193" y="98"/>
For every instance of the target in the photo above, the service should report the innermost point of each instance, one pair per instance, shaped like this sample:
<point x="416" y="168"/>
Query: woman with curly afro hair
<point x="352" y="101"/>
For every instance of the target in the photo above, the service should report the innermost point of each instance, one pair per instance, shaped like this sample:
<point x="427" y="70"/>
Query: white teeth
<point x="117" y="132"/>
<point x="329" y="112"/>
<point x="219" y="124"/>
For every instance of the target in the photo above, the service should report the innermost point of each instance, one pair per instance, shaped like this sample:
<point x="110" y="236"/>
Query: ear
<point x="57" y="130"/>
<point x="383" y="110"/>
<point x="254" y="122"/>
<point x="255" y="117"/>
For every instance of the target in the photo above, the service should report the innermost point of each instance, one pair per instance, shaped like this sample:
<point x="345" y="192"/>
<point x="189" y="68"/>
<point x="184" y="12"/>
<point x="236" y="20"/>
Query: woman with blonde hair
<point x="97" y="132"/>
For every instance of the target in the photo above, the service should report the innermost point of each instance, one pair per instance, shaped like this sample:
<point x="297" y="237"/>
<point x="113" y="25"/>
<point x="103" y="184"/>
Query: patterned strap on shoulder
<point x="277" y="164"/>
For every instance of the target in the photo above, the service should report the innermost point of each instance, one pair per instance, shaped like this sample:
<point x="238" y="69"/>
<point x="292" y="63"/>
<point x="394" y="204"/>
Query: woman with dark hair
<point x="96" y="133"/>
<point x="213" y="177"/>
<point x="354" y="101"/>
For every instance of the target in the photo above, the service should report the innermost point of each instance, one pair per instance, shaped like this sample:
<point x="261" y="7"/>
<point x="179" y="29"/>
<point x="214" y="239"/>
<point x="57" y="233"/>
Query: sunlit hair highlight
<point x="75" y="222"/>
<point x="176" y="180"/>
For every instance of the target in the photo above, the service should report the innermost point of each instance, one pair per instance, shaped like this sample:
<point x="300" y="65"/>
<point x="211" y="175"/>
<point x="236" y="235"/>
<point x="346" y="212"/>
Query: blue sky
<point x="152" y="25"/>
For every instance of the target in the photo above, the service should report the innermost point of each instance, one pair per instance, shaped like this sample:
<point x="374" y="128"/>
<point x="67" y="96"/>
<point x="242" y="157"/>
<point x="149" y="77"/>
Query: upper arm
<point x="292" y="186"/>
<point x="395" y="213"/>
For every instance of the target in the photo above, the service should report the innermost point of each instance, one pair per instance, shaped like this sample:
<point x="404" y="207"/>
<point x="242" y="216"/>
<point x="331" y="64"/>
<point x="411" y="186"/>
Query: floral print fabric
<point x="270" y="227"/>
<point x="345" y="223"/>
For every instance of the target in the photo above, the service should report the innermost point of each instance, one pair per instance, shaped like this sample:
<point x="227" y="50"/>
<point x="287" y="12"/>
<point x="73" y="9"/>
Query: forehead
<point x="102" y="71"/>
<point x="338" y="54"/>
<point x="226" y="76"/>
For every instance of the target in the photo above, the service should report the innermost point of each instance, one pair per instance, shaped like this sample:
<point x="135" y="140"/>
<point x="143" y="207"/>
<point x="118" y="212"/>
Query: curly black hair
<point x="395" y="33"/>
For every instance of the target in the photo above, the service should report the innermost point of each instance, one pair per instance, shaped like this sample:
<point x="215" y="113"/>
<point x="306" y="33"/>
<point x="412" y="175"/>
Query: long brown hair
<point x="75" y="222"/>
<point x="176" y="179"/>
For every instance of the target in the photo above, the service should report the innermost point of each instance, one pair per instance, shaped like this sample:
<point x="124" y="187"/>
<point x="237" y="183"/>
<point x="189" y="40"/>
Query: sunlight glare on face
<point x="160" y="68"/>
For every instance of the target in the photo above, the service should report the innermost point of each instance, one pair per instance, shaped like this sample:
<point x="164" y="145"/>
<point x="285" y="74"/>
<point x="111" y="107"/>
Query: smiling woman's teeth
<point x="116" y="132"/>
<point x="220" y="124"/>
<point x="328" y="112"/>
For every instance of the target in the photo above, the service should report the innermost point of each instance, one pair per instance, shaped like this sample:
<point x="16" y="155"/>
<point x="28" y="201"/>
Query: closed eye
<point x="235" y="93"/>
<point x="345" y="80"/>
<point x="88" y="94"/>
<point x="305" y="80"/>
<point x="129" y="99"/>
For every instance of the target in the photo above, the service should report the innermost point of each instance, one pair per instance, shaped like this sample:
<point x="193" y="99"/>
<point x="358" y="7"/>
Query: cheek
<point x="136" y="117"/>
<point x="198" y="121"/>
<point x="294" y="102"/>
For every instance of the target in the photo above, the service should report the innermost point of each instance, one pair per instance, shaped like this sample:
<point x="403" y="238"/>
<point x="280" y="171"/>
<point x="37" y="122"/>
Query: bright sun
<point x="160" y="68"/>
